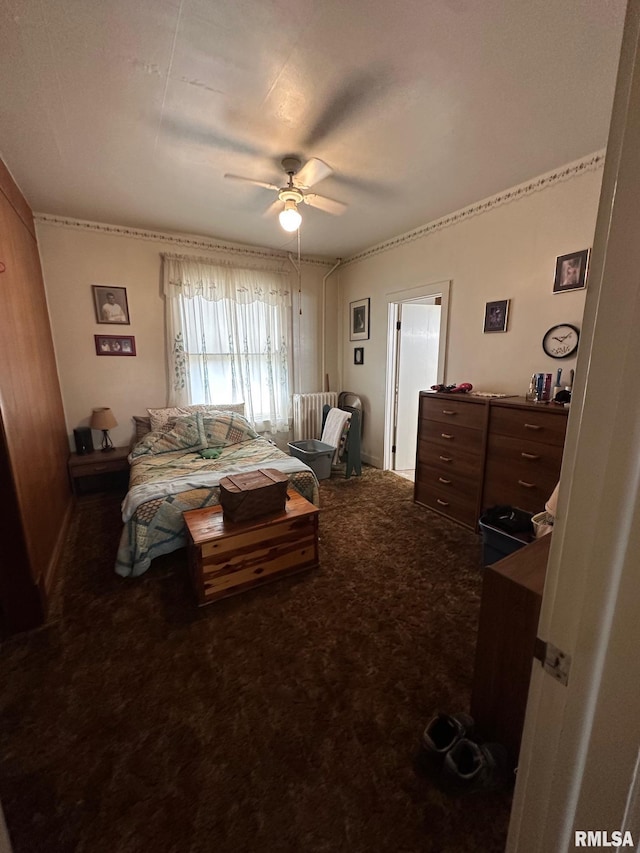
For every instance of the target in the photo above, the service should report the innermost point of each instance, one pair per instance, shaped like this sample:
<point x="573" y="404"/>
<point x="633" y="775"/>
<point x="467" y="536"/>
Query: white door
<point x="430" y="344"/>
<point x="579" y="767"/>
<point x="418" y="342"/>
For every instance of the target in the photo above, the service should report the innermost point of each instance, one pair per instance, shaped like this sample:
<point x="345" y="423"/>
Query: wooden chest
<point x="227" y="557"/>
<point x="254" y="493"/>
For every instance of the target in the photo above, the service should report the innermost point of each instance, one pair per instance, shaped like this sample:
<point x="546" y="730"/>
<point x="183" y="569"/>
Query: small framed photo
<point x="110" y="305"/>
<point x="359" y="320"/>
<point x="571" y="271"/>
<point x="358" y="355"/>
<point x="495" y="316"/>
<point x="115" y="344"/>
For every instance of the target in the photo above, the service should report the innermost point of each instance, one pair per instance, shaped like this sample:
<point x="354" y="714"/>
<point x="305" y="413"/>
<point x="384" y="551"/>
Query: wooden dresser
<point x="511" y="598"/>
<point x="450" y="455"/>
<point x="475" y="452"/>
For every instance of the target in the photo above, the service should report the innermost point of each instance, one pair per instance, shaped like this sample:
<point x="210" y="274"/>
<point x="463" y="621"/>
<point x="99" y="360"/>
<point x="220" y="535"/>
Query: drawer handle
<point x="447" y="436"/>
<point x="442" y="503"/>
<point x="442" y="480"/>
<point x="532" y="426"/>
<point x="445" y="458"/>
<point x="99" y="467"/>
<point x="447" y="412"/>
<point x="526" y="485"/>
<point x="529" y="455"/>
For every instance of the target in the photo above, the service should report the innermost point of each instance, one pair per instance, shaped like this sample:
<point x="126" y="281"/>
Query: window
<point x="228" y="333"/>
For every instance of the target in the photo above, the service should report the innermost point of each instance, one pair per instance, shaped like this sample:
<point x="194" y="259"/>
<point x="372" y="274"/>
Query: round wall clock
<point x="561" y="341"/>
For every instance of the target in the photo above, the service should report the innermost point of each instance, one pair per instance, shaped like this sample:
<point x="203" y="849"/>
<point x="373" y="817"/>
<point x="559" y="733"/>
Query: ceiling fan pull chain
<point x="299" y="277"/>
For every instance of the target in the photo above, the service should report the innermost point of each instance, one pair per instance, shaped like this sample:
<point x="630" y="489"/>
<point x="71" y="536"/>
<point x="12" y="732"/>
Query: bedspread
<point x="163" y="487"/>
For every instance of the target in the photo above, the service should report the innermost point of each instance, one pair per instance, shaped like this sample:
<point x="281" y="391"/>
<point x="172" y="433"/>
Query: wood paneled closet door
<point x="34" y="445"/>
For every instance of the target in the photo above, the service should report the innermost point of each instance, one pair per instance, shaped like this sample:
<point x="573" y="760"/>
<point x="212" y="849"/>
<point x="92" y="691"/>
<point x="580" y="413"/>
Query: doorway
<point x="416" y="348"/>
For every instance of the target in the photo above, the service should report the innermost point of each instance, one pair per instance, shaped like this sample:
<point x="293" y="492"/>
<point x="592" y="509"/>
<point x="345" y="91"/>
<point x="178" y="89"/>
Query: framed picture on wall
<point x="358" y="355"/>
<point x="571" y="271"/>
<point x="495" y="316"/>
<point x="110" y="305"/>
<point x="359" y="320"/>
<point x="115" y="344"/>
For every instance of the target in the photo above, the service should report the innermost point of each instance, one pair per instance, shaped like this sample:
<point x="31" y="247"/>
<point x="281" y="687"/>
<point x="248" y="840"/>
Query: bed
<point x="177" y="466"/>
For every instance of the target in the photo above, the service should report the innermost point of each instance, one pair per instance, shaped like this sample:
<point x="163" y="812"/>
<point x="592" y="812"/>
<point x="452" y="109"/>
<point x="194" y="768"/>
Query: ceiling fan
<point x="301" y="179"/>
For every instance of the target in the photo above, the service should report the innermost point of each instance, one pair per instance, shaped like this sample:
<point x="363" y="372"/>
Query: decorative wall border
<point x="586" y="164"/>
<point x="201" y="243"/>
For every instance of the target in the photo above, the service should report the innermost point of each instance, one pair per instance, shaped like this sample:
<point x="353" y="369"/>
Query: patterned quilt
<point x="156" y="526"/>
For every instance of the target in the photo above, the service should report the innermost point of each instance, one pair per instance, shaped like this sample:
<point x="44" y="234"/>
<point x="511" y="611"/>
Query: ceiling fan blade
<point x="312" y="173"/>
<point x="357" y="92"/>
<point x="329" y="205"/>
<point x="251" y="181"/>
<point x="199" y="133"/>
<point x="273" y="208"/>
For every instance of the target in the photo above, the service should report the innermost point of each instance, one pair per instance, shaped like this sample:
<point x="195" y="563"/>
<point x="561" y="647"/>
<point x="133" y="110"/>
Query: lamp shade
<point x="103" y="419"/>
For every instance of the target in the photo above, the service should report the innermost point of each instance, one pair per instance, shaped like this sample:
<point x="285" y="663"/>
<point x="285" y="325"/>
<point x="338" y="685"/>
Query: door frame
<point x="394" y="300"/>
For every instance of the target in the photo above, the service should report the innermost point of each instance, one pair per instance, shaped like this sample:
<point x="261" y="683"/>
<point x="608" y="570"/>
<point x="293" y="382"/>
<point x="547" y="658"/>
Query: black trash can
<point x="498" y="542"/>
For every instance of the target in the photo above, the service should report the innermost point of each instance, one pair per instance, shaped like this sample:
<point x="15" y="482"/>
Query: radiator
<point x="307" y="413"/>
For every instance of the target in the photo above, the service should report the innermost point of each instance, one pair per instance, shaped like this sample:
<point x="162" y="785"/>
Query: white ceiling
<point x="130" y="112"/>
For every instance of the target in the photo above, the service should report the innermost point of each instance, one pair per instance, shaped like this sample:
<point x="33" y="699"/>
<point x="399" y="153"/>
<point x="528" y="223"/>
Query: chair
<point x="351" y="449"/>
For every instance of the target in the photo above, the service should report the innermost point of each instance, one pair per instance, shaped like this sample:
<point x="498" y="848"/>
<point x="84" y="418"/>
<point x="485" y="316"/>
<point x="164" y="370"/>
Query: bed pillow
<point x="142" y="427"/>
<point x="225" y="428"/>
<point x="164" y="419"/>
<point x="216" y="407"/>
<point x="187" y="434"/>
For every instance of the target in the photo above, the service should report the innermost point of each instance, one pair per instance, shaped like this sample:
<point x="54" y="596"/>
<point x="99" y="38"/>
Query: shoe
<point x="470" y="766"/>
<point x="441" y="735"/>
<point x="444" y="731"/>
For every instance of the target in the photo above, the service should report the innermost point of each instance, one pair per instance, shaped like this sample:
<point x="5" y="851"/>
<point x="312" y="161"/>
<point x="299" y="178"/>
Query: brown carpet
<point x="284" y="719"/>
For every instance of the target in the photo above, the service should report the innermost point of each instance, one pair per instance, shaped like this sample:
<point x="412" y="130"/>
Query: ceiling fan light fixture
<point x="290" y="218"/>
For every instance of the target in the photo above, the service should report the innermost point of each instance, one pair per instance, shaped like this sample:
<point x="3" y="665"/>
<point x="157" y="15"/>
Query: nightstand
<point x="98" y="471"/>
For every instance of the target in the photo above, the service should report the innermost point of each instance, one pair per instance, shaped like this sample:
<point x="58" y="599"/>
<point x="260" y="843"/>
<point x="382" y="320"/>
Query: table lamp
<point x="103" y="419"/>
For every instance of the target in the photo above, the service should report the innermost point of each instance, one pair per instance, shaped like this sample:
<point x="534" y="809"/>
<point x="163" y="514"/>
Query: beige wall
<point x="75" y="257"/>
<point x="508" y="251"/>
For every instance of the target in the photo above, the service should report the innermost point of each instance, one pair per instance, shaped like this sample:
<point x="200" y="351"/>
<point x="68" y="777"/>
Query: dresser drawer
<point x="541" y="425"/>
<point x="449" y="459"/>
<point x="453" y="411"/>
<point x="451" y="436"/>
<point x="104" y="466"/>
<point x="531" y="497"/>
<point x="457" y="505"/>
<point x="448" y="483"/>
<point x="521" y="474"/>
<point x="527" y="459"/>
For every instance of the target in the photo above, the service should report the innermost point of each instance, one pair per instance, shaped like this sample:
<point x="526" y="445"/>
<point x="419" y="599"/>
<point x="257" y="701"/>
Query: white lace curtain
<point x="229" y="338"/>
